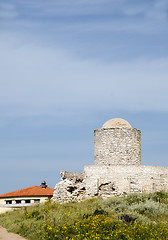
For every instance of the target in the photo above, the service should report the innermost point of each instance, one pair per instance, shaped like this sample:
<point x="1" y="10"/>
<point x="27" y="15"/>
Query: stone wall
<point x="117" y="146"/>
<point x="70" y="188"/>
<point x="107" y="181"/>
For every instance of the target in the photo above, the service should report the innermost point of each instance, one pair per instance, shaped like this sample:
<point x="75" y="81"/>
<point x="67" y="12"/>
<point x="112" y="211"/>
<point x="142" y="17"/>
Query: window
<point x="8" y="201"/>
<point x="18" y="201"/>
<point x="36" y="200"/>
<point x="27" y="201"/>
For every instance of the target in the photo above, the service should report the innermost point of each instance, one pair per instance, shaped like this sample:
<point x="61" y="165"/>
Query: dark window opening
<point x="27" y="201"/>
<point x="36" y="200"/>
<point x="9" y="202"/>
<point x="18" y="201"/>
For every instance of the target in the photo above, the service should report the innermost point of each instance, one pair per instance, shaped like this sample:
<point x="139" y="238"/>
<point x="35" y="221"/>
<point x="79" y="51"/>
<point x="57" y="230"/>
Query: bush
<point x="101" y="227"/>
<point x="136" y="216"/>
<point x="161" y="197"/>
<point x="149" y="208"/>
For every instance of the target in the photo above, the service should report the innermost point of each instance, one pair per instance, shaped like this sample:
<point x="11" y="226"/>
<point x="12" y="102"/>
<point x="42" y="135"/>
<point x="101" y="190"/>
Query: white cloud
<point x="70" y="7"/>
<point x="41" y="78"/>
<point x="94" y="7"/>
<point x="49" y="17"/>
<point x="7" y="11"/>
<point x="158" y="11"/>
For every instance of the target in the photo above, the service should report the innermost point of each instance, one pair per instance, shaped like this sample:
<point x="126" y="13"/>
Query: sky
<point x="68" y="66"/>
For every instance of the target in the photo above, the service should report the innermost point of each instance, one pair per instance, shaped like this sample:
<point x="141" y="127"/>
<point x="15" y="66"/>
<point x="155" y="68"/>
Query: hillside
<point x="135" y="216"/>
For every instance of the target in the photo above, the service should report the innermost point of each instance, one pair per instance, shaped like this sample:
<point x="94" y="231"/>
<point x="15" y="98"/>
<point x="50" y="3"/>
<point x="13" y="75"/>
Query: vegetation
<point x="135" y="216"/>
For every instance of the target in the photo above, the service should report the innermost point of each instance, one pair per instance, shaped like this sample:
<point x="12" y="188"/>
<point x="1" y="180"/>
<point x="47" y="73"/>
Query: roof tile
<point x="30" y="191"/>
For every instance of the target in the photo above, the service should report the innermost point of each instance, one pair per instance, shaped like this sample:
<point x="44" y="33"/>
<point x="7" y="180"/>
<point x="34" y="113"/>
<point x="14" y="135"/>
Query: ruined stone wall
<point x="70" y="188"/>
<point x="107" y="181"/>
<point x="117" y="146"/>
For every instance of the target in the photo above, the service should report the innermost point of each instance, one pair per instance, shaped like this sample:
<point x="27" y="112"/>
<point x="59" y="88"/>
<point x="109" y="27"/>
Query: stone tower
<point x="117" y="169"/>
<point x="117" y="143"/>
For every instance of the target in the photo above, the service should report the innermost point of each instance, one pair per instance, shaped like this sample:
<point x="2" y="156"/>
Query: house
<point x="25" y="197"/>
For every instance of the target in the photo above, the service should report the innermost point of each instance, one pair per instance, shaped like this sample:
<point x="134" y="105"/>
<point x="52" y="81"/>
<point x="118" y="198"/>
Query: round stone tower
<point x="117" y="143"/>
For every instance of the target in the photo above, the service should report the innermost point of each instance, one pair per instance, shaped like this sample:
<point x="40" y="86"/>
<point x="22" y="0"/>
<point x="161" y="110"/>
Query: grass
<point x="135" y="216"/>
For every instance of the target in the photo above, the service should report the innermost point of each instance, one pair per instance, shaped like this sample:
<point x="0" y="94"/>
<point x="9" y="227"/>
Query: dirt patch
<point x="4" y="235"/>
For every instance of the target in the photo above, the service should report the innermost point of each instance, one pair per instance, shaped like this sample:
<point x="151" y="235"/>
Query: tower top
<point x="116" y="123"/>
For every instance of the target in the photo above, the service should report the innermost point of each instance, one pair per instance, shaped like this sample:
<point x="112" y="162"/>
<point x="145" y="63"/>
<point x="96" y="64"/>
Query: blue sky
<point x="68" y="66"/>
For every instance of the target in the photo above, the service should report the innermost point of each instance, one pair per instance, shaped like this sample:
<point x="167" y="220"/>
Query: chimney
<point x="43" y="184"/>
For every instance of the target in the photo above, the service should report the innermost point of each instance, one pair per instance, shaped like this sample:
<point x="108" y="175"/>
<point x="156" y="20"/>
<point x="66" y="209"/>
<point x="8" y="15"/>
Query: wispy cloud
<point x="159" y="10"/>
<point x="7" y="11"/>
<point x="36" y="76"/>
<point x="95" y="7"/>
<point x="69" y="7"/>
<point x="87" y="15"/>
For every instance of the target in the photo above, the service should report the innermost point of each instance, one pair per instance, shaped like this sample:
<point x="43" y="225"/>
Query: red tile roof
<point x="30" y="191"/>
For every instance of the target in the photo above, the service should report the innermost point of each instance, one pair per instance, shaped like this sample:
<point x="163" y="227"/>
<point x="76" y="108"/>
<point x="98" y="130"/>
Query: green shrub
<point x="149" y="208"/>
<point x="161" y="197"/>
<point x="136" y="216"/>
